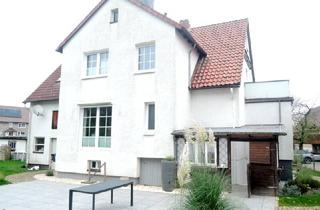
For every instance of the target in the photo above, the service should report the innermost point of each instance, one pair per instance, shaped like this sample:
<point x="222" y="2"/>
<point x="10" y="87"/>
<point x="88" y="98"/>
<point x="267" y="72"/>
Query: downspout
<point x="233" y="108"/>
<point x="280" y="118"/>
<point x="189" y="64"/>
<point x="28" y="150"/>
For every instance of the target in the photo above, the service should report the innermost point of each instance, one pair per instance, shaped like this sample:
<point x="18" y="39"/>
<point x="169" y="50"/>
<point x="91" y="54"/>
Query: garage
<point x="150" y="171"/>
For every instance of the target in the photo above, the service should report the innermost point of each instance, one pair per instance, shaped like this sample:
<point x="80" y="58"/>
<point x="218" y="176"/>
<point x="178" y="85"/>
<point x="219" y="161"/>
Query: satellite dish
<point x="38" y="110"/>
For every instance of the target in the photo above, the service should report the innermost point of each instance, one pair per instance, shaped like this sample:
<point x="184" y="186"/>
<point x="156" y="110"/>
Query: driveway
<point x="48" y="195"/>
<point x="44" y="195"/>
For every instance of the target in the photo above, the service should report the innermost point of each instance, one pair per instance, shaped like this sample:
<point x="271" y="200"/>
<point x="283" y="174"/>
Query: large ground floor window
<point x="202" y="153"/>
<point x="97" y="126"/>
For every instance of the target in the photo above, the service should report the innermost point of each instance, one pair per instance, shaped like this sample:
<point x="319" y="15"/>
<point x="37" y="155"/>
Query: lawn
<point x="303" y="200"/>
<point x="9" y="167"/>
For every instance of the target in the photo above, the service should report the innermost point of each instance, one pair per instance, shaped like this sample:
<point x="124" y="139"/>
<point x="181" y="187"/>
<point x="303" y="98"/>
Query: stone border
<point x="44" y="177"/>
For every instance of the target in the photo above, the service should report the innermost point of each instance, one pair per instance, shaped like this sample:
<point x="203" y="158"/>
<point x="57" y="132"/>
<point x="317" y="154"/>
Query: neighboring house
<point x="14" y="122"/>
<point x="44" y="103"/>
<point x="314" y="139"/>
<point x="132" y="80"/>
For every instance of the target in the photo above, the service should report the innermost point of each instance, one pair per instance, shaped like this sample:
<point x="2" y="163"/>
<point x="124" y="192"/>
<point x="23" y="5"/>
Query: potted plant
<point x="169" y="173"/>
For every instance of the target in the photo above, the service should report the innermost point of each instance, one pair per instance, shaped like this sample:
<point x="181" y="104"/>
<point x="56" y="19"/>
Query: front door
<point x="263" y="167"/>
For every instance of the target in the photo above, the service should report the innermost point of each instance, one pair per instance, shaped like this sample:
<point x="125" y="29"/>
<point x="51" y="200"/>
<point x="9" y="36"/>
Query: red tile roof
<point x="48" y="90"/>
<point x="224" y="44"/>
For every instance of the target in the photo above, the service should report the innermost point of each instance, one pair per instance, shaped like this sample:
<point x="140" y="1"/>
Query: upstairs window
<point x="22" y="125"/>
<point x="147" y="57"/>
<point x="92" y="65"/>
<point x="54" y="123"/>
<point x="150" y="116"/>
<point x="114" y="18"/>
<point x="97" y="64"/>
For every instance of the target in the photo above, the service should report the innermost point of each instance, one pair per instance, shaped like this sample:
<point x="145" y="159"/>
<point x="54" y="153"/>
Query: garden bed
<point x="303" y="191"/>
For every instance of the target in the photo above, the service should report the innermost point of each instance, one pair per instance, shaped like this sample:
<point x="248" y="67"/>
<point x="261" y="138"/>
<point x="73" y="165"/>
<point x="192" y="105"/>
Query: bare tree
<point x="304" y="127"/>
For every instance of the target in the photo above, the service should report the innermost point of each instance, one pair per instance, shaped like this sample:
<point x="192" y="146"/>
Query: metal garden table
<point x="99" y="188"/>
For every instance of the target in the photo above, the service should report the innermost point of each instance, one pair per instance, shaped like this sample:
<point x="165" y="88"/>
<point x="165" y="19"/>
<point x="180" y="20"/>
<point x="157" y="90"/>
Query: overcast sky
<point x="285" y="36"/>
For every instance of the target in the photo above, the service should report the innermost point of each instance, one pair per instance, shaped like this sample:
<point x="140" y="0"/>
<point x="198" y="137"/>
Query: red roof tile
<point x="48" y="90"/>
<point x="224" y="44"/>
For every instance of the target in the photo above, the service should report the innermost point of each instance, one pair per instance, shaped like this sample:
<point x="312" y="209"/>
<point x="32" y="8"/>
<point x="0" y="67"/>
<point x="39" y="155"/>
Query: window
<point x="202" y="153"/>
<point x="39" y="145"/>
<point x="114" y="16"/>
<point x="97" y="64"/>
<point x="20" y="133"/>
<point x="54" y="123"/>
<point x="91" y="64"/>
<point x="103" y="63"/>
<point x="150" y="116"/>
<point x="12" y="145"/>
<point x="10" y="125"/>
<point x="22" y="125"/>
<point x="97" y="126"/>
<point x="147" y="57"/>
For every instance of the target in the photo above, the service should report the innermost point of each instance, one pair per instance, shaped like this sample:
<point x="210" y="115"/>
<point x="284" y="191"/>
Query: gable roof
<point x="185" y="33"/>
<point x="48" y="90"/>
<point x="22" y="117"/>
<point x="225" y="47"/>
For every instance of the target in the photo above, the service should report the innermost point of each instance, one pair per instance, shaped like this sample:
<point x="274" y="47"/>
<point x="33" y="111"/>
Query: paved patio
<point x="46" y="195"/>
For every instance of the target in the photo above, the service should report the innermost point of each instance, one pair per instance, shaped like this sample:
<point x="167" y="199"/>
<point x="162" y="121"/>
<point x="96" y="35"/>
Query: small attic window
<point x="114" y="16"/>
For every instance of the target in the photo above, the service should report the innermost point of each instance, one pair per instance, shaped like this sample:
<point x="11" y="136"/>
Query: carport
<point x="263" y="156"/>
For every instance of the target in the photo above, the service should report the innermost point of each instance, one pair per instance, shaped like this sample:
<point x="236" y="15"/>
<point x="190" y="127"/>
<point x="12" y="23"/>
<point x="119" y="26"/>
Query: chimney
<point x="149" y="3"/>
<point x="185" y="23"/>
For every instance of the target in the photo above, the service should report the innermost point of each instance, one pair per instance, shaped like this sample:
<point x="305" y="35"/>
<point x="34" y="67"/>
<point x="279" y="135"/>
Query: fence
<point x="19" y="156"/>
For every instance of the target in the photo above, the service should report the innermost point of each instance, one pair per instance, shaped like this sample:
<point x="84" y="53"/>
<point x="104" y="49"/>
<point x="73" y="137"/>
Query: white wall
<point x="40" y="126"/>
<point x="123" y="88"/>
<point x="268" y="113"/>
<point x="268" y="89"/>
<point x="215" y="107"/>
<point x="21" y="145"/>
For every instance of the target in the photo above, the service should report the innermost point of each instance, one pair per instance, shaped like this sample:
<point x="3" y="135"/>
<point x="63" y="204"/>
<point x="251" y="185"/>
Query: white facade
<point x="129" y="90"/>
<point x="126" y="89"/>
<point x="21" y="145"/>
<point x="41" y="127"/>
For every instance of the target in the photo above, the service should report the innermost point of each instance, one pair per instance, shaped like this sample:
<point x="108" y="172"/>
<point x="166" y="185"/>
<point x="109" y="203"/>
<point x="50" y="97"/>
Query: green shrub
<point x="50" y="173"/>
<point x="291" y="190"/>
<point x="205" y="191"/>
<point x="169" y="158"/>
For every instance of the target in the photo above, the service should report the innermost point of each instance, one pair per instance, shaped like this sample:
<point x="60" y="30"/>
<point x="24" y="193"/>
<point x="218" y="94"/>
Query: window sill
<point x="149" y="133"/>
<point x="138" y="72"/>
<point x="94" y="77"/>
<point x="34" y="152"/>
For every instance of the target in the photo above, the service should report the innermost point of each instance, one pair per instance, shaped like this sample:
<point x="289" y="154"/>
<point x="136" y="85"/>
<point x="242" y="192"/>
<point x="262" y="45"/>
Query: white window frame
<point x="10" y="125"/>
<point x="37" y="144"/>
<point x="98" y="72"/>
<point x="97" y="126"/>
<point x="149" y="131"/>
<point x="196" y="154"/>
<point x="11" y="143"/>
<point x="112" y="16"/>
<point x="22" y="125"/>
<point x="146" y="70"/>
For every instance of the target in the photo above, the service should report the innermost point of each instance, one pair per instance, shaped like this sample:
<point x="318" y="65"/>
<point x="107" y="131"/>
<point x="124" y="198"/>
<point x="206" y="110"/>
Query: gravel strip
<point x="23" y="177"/>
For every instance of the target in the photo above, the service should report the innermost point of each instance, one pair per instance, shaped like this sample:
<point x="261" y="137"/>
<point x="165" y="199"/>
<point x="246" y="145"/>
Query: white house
<point x="133" y="79"/>
<point x="14" y="122"/>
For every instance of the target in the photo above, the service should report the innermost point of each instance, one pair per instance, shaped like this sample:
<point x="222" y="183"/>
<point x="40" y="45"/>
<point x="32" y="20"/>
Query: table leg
<point x="131" y="199"/>
<point x="70" y="199"/>
<point x="93" y="201"/>
<point x="111" y="196"/>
